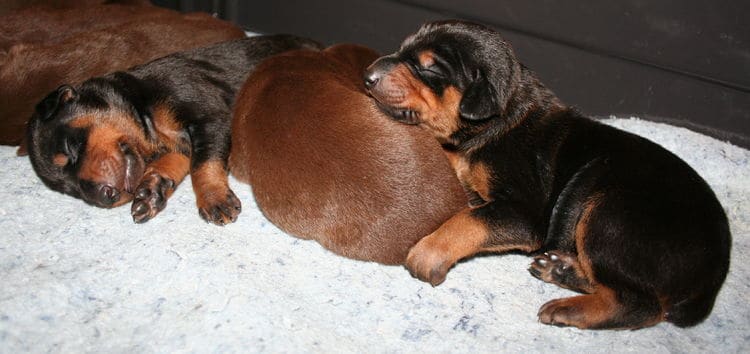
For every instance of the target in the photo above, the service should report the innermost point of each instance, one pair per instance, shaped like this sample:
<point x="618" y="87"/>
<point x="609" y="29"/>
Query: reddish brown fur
<point x="8" y="7"/>
<point x="460" y="237"/>
<point x="438" y="113"/>
<point x="107" y="129"/>
<point x="173" y="166"/>
<point x="54" y="21"/>
<point x="583" y="311"/>
<point x="211" y="188"/>
<point x="581" y="230"/>
<point x="30" y="71"/>
<point x="325" y="164"/>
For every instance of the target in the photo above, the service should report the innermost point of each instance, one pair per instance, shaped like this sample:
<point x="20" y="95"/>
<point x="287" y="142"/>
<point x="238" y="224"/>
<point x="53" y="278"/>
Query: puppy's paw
<point x="428" y="263"/>
<point x="561" y="312"/>
<point x="219" y="207"/>
<point x="561" y="269"/>
<point x="151" y="197"/>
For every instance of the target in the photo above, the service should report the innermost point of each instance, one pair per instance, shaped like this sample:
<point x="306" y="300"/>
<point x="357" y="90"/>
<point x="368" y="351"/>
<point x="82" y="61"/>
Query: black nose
<point x="108" y="195"/>
<point x="378" y="69"/>
<point x="371" y="78"/>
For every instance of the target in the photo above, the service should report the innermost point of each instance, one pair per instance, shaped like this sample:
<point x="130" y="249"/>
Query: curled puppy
<point x="134" y="135"/>
<point x="610" y="214"/>
<point x="325" y="164"/>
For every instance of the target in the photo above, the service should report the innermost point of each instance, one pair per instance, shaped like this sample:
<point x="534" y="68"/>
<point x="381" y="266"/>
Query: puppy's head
<point x="91" y="142"/>
<point x="448" y="76"/>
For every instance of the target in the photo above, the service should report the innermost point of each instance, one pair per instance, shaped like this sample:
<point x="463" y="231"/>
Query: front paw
<point x="219" y="208"/>
<point x="428" y="263"/>
<point x="151" y="197"/>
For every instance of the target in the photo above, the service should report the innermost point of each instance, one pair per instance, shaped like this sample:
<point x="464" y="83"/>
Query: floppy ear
<point x="48" y="107"/>
<point x="479" y="100"/>
<point x="134" y="92"/>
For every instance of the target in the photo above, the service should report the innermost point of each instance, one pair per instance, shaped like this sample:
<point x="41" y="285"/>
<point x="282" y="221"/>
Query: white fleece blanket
<point x="74" y="278"/>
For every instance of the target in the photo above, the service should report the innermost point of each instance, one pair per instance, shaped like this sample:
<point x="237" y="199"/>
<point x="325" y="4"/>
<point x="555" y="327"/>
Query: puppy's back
<point x="325" y="164"/>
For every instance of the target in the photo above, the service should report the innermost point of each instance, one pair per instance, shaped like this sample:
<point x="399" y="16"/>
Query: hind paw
<point x="561" y="269"/>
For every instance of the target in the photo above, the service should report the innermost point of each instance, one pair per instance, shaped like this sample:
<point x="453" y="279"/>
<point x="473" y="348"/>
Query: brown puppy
<point x="31" y="71"/>
<point x="10" y="6"/>
<point x="52" y="21"/>
<point x="325" y="164"/>
<point x="612" y="215"/>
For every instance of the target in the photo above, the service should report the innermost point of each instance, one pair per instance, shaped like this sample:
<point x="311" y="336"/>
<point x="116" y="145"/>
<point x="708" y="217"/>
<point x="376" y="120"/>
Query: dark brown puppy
<point x="620" y="218"/>
<point x="325" y="164"/>
<point x="30" y="71"/>
<point x="12" y="6"/>
<point x="51" y="21"/>
<point x="135" y="135"/>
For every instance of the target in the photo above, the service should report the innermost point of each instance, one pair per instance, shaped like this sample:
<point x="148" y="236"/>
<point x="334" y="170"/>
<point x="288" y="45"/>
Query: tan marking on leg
<point x="216" y="201"/>
<point x="460" y="237"/>
<point x="581" y="231"/>
<point x="174" y="166"/>
<point x="583" y="311"/>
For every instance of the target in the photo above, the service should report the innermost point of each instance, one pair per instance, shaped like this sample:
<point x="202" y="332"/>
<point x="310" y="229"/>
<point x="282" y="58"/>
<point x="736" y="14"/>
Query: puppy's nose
<point x="108" y="195"/>
<point x="371" y="78"/>
<point x="378" y="70"/>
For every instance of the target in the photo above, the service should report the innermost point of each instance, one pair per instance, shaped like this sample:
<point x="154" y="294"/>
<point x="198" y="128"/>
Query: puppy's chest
<point x="476" y="178"/>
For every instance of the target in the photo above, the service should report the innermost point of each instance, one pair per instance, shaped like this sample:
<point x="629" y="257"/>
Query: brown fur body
<point x="52" y="21"/>
<point x="31" y="70"/>
<point x="607" y="213"/>
<point x="325" y="164"/>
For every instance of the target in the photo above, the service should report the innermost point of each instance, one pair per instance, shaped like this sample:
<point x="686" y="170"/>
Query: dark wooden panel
<point x="707" y="39"/>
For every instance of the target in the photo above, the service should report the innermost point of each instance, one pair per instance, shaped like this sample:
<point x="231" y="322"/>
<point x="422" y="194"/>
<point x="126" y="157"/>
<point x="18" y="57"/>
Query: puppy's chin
<point x="401" y="115"/>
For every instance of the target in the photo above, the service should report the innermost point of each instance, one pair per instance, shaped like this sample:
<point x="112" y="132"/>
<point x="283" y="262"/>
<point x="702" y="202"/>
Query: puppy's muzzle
<point x="377" y="70"/>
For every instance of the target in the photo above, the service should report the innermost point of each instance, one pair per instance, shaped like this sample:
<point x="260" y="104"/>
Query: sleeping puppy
<point x="30" y="70"/>
<point x="135" y="135"/>
<point x="609" y="214"/>
<point x="325" y="164"/>
<point x="52" y="21"/>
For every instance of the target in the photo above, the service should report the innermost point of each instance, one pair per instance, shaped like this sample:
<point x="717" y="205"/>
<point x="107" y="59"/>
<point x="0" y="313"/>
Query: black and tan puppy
<point x="135" y="135"/>
<point x="611" y="215"/>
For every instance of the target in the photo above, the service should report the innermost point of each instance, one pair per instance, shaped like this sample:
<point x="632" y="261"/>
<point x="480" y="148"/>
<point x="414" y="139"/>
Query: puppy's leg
<point x="561" y="269"/>
<point x="216" y="202"/>
<point x="602" y="309"/>
<point x="490" y="228"/>
<point x="157" y="185"/>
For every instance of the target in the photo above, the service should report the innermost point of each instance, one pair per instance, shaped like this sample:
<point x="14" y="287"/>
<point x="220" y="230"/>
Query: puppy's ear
<point x="479" y="100"/>
<point x="134" y="91"/>
<point x="48" y="107"/>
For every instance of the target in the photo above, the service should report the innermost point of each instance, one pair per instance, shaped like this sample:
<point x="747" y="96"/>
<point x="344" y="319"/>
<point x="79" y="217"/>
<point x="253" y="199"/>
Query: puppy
<point x="30" y="71"/>
<point x="51" y="21"/>
<point x="135" y="135"/>
<point x="611" y="215"/>
<point x="325" y="164"/>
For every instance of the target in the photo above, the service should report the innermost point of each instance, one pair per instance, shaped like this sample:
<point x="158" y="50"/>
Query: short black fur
<point x="648" y="225"/>
<point x="196" y="88"/>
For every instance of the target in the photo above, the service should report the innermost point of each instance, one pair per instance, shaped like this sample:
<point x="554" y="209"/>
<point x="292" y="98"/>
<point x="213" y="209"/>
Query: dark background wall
<point x="685" y="62"/>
